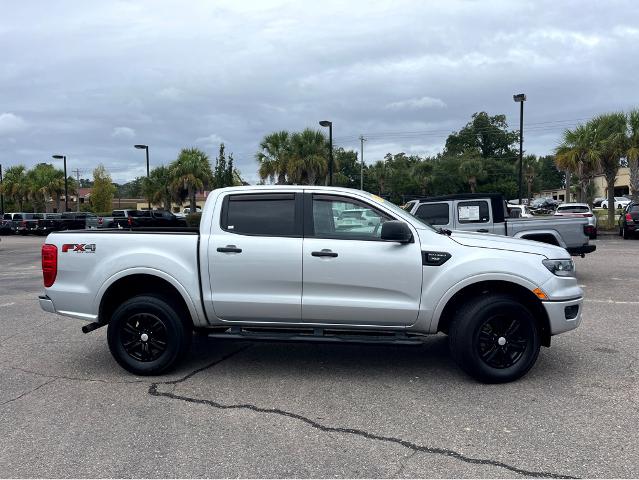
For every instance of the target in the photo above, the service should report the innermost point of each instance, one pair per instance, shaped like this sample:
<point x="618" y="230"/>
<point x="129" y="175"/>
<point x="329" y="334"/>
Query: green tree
<point x="308" y="160"/>
<point x="547" y="174"/>
<point x="101" y="199"/>
<point x="191" y="172"/>
<point x="488" y="135"/>
<point x="471" y="169"/>
<point x="632" y="153"/>
<point x="577" y="155"/>
<point x="610" y="145"/>
<point x="15" y="185"/>
<point x="349" y="171"/>
<point x="273" y="157"/>
<point x="157" y="188"/>
<point x="45" y="182"/>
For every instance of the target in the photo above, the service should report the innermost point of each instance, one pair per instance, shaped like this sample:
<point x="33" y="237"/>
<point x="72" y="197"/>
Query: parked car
<point x="66" y="221"/>
<point x="27" y="223"/>
<point x="629" y="221"/>
<point x="596" y="203"/>
<point x="620" y="203"/>
<point x="486" y="213"/>
<point x="579" y="210"/>
<point x="543" y="206"/>
<point x="6" y="224"/>
<point x="187" y="210"/>
<point x="269" y="263"/>
<point x="519" y="211"/>
<point x="140" y="218"/>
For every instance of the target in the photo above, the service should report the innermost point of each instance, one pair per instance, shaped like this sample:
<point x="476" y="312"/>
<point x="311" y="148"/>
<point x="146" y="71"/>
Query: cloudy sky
<point x="90" y="79"/>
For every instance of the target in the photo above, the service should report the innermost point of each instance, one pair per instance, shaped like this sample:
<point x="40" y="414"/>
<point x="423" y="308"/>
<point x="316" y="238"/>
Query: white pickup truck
<point x="284" y="263"/>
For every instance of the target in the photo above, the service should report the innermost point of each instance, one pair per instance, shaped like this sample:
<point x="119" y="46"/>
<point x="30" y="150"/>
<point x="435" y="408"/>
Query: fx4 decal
<point x="79" y="247"/>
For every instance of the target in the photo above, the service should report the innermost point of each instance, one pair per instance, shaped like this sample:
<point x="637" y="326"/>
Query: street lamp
<point x="520" y="98"/>
<point x="146" y="149"/>
<point x="1" y="193"/>
<point x="326" y="123"/>
<point x="66" y="181"/>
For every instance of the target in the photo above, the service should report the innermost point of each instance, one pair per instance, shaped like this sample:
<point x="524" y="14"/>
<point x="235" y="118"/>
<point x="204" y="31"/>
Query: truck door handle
<point x="229" y="249"/>
<point x="483" y="230"/>
<point x="324" y="253"/>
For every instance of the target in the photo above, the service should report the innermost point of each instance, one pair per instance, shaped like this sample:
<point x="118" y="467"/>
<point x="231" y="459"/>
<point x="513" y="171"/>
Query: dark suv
<point x="629" y="221"/>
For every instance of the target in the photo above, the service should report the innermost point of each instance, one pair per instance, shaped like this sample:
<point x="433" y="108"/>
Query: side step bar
<point x="317" y="335"/>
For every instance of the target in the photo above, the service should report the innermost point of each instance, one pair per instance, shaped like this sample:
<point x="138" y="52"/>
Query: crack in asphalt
<point x="29" y="392"/>
<point x="416" y="448"/>
<point x="403" y="463"/>
<point x="74" y="379"/>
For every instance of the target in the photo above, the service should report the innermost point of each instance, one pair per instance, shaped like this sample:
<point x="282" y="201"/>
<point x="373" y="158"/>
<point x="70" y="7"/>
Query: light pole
<point x="361" y="170"/>
<point x="326" y="123"/>
<point x="1" y="193"/>
<point x="146" y="149"/>
<point x="66" y="181"/>
<point x="521" y="98"/>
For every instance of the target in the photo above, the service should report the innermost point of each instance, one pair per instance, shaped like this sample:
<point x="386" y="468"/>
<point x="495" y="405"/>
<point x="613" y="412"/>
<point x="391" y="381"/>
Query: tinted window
<point x="473" y="212"/>
<point x="433" y="213"/>
<point x="634" y="208"/>
<point x="269" y="215"/>
<point x="574" y="209"/>
<point x="118" y="213"/>
<point x="139" y="213"/>
<point x="17" y="216"/>
<point x="355" y="220"/>
<point x="7" y="216"/>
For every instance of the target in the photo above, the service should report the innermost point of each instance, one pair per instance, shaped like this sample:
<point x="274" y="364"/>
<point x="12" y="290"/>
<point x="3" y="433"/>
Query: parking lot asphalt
<point x="299" y="410"/>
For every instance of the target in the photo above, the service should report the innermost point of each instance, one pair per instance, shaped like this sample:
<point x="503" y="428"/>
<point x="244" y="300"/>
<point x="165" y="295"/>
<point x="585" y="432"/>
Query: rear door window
<point x="473" y="212"/>
<point x="434" y="213"/>
<point x="272" y="215"/>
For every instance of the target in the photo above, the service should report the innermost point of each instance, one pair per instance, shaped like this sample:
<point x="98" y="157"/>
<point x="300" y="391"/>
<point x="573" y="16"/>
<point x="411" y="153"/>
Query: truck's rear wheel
<point x="147" y="336"/>
<point x="494" y="338"/>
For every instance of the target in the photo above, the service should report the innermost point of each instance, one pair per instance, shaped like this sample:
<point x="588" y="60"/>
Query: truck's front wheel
<point x="494" y="338"/>
<point x="146" y="335"/>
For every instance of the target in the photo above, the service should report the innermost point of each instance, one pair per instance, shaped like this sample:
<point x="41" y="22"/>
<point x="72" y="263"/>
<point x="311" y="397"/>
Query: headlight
<point x="561" y="268"/>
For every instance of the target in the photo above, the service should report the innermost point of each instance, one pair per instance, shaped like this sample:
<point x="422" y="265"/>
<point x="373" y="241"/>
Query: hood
<point x="500" y="242"/>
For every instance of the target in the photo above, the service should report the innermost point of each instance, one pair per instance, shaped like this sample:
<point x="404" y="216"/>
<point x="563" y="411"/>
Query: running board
<point x="317" y="335"/>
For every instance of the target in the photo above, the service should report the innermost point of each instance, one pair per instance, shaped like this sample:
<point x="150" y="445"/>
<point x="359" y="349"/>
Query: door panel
<point x="255" y="257"/>
<point x="351" y="277"/>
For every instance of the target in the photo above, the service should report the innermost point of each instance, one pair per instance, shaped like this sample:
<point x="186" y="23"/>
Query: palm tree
<point x="308" y="161"/>
<point x="610" y="146"/>
<point x="191" y="171"/>
<point x="633" y="152"/>
<point x="15" y="185"/>
<point x="422" y="172"/>
<point x="45" y="181"/>
<point x="471" y="169"/>
<point x="157" y="187"/>
<point x="273" y="156"/>
<point x="379" y="171"/>
<point x="577" y="155"/>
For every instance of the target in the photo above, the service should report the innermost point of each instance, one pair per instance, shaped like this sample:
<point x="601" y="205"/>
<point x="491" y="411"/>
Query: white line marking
<point x="596" y="300"/>
<point x="7" y="304"/>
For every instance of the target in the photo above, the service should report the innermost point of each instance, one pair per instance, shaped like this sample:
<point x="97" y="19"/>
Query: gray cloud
<point x="84" y="78"/>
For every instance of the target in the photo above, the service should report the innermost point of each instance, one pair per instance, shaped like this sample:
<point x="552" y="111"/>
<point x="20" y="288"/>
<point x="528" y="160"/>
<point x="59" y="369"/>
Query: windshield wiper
<point x="444" y="231"/>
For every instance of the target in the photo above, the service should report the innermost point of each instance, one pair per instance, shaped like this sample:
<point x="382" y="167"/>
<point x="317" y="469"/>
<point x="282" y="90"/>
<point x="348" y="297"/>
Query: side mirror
<point x="396" y="231"/>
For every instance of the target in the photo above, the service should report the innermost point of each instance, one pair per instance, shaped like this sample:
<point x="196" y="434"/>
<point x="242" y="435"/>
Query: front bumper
<point x="46" y="304"/>
<point x="564" y="315"/>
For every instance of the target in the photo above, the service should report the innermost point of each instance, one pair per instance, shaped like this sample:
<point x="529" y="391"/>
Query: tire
<point x="476" y="333"/>
<point x="164" y="337"/>
<point x="621" y="231"/>
<point x="625" y="234"/>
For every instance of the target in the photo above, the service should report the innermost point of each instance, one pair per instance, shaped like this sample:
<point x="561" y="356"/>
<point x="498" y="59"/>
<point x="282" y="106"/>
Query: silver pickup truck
<point x="295" y="263"/>
<point x="487" y="213"/>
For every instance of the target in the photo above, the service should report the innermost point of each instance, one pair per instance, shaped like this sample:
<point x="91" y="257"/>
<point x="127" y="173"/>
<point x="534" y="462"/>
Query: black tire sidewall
<point x="177" y="334"/>
<point x="464" y="341"/>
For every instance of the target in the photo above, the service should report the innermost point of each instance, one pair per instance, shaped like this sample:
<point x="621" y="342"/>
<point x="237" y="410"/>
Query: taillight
<point x="130" y="221"/>
<point x="629" y="218"/>
<point x="49" y="264"/>
<point x="587" y="214"/>
<point x="100" y="221"/>
<point x="589" y="229"/>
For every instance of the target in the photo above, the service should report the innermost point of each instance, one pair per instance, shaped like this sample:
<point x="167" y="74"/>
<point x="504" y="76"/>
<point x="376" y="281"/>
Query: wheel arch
<point x="484" y="287"/>
<point x="550" y="237"/>
<point x="135" y="282"/>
